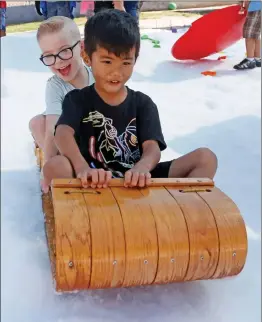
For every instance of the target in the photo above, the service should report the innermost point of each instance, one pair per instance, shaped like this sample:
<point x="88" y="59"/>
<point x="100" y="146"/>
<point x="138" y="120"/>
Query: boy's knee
<point x="36" y="122"/>
<point x="58" y="166"/>
<point x="206" y="156"/>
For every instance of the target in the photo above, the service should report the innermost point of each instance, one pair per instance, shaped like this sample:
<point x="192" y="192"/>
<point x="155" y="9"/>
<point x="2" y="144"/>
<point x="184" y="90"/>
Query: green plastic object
<point x="172" y="6"/>
<point x="156" y="43"/>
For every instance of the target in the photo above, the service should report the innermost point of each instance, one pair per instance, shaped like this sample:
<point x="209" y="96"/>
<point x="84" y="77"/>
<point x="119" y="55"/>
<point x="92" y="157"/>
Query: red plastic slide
<point x="210" y="34"/>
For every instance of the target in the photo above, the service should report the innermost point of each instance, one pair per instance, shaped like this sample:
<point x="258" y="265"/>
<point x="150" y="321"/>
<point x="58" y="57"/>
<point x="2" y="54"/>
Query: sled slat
<point x="73" y="241"/>
<point x="140" y="236"/>
<point x="203" y="235"/>
<point x="108" y="242"/>
<point x="232" y="233"/>
<point x="172" y="235"/>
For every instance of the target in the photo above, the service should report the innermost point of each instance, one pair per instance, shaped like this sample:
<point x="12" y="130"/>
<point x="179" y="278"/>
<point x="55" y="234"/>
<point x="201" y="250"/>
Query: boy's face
<point x="112" y="72"/>
<point x="52" y="44"/>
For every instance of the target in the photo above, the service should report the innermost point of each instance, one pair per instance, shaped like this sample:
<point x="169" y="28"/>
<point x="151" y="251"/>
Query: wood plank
<point x="172" y="234"/>
<point x="203" y="235"/>
<point x="140" y="236"/>
<point x="157" y="182"/>
<point x="107" y="239"/>
<point x="232" y="233"/>
<point x="73" y="241"/>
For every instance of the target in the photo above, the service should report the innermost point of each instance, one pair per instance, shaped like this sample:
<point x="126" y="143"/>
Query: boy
<point x="252" y="34"/>
<point x="108" y="130"/>
<point x="60" y="41"/>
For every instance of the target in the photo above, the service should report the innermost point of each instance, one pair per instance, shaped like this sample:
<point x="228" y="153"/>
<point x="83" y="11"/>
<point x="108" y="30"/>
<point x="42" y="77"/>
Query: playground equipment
<point x="173" y="231"/>
<point x="210" y="34"/>
<point x="156" y="43"/>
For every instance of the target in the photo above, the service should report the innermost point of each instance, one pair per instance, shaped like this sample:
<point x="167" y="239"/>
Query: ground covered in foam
<point x="222" y="113"/>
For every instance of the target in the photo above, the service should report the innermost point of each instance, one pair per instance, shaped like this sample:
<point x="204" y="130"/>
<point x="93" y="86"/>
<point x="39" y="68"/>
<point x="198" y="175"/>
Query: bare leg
<point x="257" y="48"/>
<point x="250" y="47"/>
<point x="57" y="167"/>
<point x="37" y="128"/>
<point x="200" y="163"/>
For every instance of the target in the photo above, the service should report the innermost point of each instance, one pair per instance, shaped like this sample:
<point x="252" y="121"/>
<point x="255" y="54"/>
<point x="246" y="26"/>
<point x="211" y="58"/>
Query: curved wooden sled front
<point x="176" y="230"/>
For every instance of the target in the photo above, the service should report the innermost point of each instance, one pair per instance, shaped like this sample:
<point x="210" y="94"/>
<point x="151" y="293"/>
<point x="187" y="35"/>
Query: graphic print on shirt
<point x="113" y="147"/>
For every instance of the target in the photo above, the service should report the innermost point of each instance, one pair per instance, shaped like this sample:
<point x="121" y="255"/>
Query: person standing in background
<point x="57" y="8"/>
<point x="252" y="35"/>
<point x="3" y="18"/>
<point x="131" y="7"/>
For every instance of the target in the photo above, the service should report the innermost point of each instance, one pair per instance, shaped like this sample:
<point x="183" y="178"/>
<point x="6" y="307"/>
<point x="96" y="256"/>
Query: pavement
<point x="162" y="23"/>
<point x="167" y="22"/>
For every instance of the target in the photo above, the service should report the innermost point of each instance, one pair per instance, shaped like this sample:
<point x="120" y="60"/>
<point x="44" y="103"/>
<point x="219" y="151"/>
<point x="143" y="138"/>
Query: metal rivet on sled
<point x="114" y="262"/>
<point x="70" y="264"/>
<point x="145" y="261"/>
<point x="201" y="257"/>
<point x="234" y="254"/>
<point x="172" y="260"/>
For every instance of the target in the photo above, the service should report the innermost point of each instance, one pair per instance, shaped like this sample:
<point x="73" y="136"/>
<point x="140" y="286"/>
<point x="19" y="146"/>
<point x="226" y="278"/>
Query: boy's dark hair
<point x="114" y="30"/>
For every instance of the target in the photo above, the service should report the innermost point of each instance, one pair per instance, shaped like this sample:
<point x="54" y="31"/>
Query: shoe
<point x="258" y="62"/>
<point x="245" y="64"/>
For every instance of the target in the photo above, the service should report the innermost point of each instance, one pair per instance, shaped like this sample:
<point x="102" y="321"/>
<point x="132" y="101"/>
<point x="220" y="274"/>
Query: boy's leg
<point x="200" y="163"/>
<point x="63" y="9"/>
<point x="250" y="48"/>
<point x="132" y="8"/>
<point x="251" y="32"/>
<point x="51" y="8"/>
<point x="37" y="128"/>
<point x="258" y="52"/>
<point x="57" y="167"/>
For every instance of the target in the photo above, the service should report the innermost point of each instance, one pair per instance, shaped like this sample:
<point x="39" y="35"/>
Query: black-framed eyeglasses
<point x="63" y="54"/>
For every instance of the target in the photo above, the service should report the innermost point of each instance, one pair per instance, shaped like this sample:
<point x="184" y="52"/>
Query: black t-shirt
<point x="111" y="137"/>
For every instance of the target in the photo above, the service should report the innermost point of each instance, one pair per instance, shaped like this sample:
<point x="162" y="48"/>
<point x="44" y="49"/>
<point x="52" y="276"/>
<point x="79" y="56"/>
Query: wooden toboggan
<point x="173" y="231"/>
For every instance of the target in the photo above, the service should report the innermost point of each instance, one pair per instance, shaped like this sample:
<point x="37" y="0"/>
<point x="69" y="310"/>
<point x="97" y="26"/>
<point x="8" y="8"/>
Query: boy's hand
<point x="119" y="4"/>
<point x="137" y="176"/>
<point x="244" y="6"/>
<point x="99" y="177"/>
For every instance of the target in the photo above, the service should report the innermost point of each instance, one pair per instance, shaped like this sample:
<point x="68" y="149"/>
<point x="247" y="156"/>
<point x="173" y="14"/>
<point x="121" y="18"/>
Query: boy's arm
<point x="50" y="149"/>
<point x="67" y="146"/>
<point x="119" y="4"/>
<point x="244" y="5"/>
<point x="150" y="138"/>
<point x="53" y="98"/>
<point x="66" y="128"/>
<point x="150" y="134"/>
<point x="150" y="156"/>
